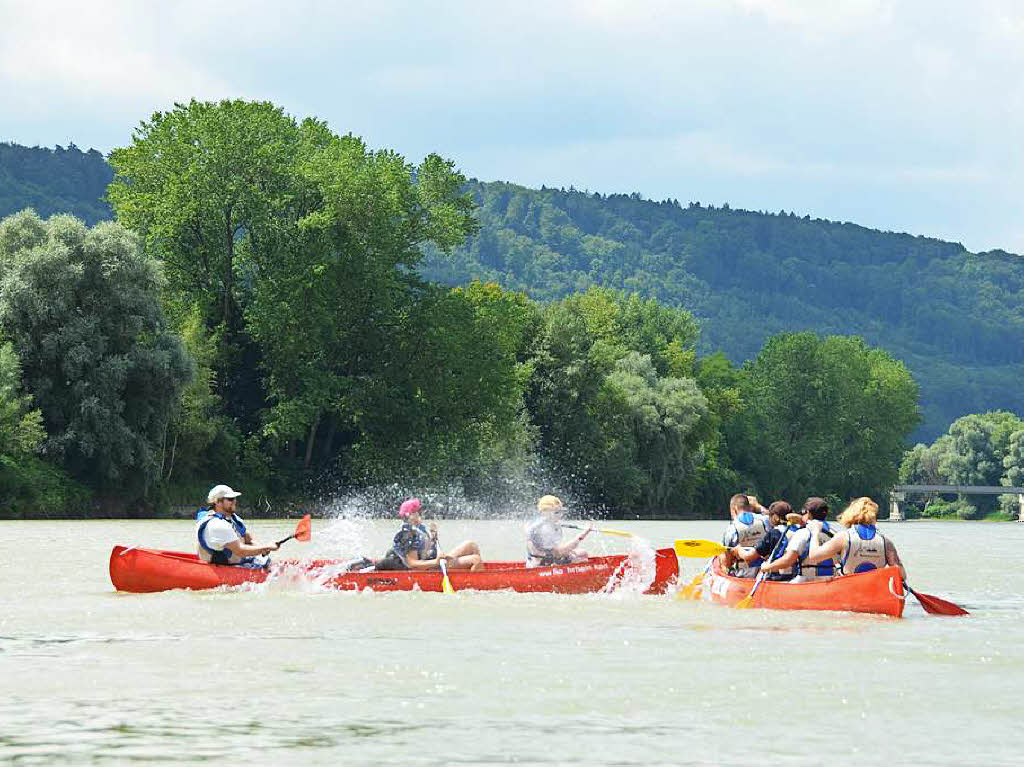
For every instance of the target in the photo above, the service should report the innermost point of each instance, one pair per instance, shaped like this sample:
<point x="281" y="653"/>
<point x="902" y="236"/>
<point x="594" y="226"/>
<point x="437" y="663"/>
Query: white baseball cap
<point x="221" y="491"/>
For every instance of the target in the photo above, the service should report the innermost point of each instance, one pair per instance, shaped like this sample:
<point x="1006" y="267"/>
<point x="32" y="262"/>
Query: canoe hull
<point x="877" y="591"/>
<point x="142" y="570"/>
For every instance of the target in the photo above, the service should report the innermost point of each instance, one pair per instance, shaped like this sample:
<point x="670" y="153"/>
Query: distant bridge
<point x="899" y="494"/>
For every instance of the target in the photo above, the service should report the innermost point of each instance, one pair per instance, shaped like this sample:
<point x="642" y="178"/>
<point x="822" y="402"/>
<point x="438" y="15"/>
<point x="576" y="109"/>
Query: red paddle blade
<point x="303" y="529"/>
<point x="937" y="606"/>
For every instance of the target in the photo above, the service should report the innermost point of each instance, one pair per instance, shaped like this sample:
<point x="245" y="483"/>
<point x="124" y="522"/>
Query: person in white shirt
<point x="221" y="537"/>
<point x="544" y="545"/>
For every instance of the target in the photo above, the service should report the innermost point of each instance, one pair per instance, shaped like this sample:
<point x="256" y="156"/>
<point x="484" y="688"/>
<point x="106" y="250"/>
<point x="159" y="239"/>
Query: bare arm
<point x="240" y="549"/>
<point x="415" y="563"/>
<point x="786" y="560"/>
<point x="828" y="550"/>
<point x="564" y="549"/>
<point x="892" y="557"/>
<point x="746" y="553"/>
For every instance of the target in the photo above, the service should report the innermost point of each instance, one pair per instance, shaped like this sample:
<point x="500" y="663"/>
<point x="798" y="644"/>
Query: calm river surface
<point x="298" y="676"/>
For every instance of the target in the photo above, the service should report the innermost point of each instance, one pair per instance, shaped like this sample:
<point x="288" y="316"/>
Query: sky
<point x="903" y="115"/>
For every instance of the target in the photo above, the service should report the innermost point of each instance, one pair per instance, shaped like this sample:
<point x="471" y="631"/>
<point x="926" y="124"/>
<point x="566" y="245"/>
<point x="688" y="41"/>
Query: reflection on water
<point x="291" y="674"/>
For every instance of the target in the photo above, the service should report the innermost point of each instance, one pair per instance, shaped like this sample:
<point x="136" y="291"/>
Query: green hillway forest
<point x="240" y="296"/>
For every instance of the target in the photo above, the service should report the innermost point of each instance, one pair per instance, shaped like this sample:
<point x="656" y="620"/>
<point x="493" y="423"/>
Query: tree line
<point x="952" y="316"/>
<point x="978" y="449"/>
<point x="258" y="313"/>
<point x="955" y="318"/>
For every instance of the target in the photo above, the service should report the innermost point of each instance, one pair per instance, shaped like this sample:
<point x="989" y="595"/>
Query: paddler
<point x="544" y="545"/>
<point x="860" y="547"/>
<point x="415" y="546"/>
<point x="221" y="537"/>
<point x="784" y="522"/>
<point x="747" y="529"/>
<point x="814" y="513"/>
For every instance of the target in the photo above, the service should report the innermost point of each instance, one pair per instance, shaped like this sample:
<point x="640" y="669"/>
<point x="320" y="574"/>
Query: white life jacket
<point x="829" y="568"/>
<point x="747" y="530"/>
<point x="864" y="551"/>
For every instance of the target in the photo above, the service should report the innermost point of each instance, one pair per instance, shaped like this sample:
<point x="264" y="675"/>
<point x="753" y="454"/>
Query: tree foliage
<point x="614" y="400"/>
<point x="58" y="180"/>
<point x="290" y="263"/>
<point x="825" y="416"/>
<point x="81" y="308"/>
<point x="953" y="317"/>
<point x="978" y="449"/>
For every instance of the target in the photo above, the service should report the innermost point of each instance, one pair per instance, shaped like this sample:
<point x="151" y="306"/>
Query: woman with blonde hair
<point x="860" y="547"/>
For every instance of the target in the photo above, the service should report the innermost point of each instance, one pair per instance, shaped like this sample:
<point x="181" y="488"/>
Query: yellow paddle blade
<point x="446" y="585"/>
<point x="699" y="549"/>
<point x="692" y="589"/>
<point x="606" y="531"/>
<point x="745" y="603"/>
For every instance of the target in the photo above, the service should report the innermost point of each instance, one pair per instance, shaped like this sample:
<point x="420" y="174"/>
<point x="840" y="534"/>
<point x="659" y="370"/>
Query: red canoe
<point x="876" y="591"/>
<point x="145" y="570"/>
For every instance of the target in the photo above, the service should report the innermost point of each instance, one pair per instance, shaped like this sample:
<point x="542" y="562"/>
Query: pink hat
<point x="409" y="507"/>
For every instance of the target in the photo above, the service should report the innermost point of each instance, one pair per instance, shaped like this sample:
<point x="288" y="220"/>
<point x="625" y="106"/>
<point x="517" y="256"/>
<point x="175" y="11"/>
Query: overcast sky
<point x="898" y="115"/>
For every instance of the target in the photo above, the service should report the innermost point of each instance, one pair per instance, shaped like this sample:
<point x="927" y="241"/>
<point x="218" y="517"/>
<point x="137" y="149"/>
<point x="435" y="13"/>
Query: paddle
<point x="699" y="549"/>
<point x="696" y="549"/>
<point x="446" y="585"/>
<point x="302" y="531"/>
<point x="604" y="530"/>
<point x="934" y="605"/>
<point x="689" y="591"/>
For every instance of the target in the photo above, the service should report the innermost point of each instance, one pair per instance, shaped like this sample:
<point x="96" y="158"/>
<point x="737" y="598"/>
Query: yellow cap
<point x="549" y="503"/>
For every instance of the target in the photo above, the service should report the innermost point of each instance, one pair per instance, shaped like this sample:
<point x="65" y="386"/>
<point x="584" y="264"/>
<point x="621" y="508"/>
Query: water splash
<point x="636" y="573"/>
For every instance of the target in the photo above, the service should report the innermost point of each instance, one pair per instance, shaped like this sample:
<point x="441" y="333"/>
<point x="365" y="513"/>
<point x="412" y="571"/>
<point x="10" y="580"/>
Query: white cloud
<point x="70" y="57"/>
<point x="728" y="99"/>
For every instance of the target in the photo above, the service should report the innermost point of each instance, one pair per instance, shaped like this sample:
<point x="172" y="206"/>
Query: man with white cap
<point x="221" y="535"/>
<point x="544" y="545"/>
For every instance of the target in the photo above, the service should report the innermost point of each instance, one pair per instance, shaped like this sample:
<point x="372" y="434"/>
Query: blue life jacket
<point x="411" y="537"/>
<point x="780" y="550"/>
<point x="222" y="557"/>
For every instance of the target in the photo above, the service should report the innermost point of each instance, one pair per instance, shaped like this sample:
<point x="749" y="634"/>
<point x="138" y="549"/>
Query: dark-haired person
<point x="415" y="547"/>
<point x="860" y="547"/>
<point x="814" y="512"/>
<point x="221" y="537"/>
<point x="746" y="530"/>
<point x="784" y="524"/>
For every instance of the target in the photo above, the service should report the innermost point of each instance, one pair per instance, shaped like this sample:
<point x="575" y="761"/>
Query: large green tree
<point x="825" y="417"/>
<point x="618" y="412"/>
<point x="82" y="310"/>
<point x="28" y="485"/>
<point x="652" y="431"/>
<point x="299" y="247"/>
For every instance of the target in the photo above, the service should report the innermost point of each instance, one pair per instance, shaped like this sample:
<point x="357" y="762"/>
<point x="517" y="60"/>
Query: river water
<point x="294" y="675"/>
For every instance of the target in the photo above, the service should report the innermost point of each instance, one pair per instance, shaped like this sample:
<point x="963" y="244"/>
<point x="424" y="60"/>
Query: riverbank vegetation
<point x="280" y="307"/>
<point x="978" y="449"/>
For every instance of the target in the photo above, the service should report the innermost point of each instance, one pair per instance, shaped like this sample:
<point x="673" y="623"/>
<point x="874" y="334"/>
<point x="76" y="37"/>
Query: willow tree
<point x="82" y="310"/>
<point x="614" y="400"/>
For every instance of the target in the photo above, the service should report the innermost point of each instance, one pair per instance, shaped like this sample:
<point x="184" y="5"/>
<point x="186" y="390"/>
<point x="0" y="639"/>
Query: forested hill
<point x="956" y="318"/>
<point x="54" y="181"/>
